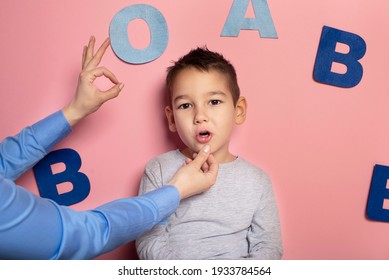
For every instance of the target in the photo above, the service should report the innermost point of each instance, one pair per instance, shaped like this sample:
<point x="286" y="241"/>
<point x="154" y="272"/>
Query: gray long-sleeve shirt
<point x="237" y="218"/>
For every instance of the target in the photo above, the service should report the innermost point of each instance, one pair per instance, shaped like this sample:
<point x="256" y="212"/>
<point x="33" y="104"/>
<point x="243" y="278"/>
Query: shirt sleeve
<point x="20" y="152"/>
<point x="32" y="227"/>
<point x="264" y="235"/>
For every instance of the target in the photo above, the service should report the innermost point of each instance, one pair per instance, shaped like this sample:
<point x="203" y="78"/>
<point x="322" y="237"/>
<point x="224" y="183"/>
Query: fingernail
<point x="206" y="148"/>
<point x="121" y="86"/>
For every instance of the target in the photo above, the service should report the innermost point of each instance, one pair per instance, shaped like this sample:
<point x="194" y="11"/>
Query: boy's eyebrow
<point x="211" y="93"/>
<point x="182" y="96"/>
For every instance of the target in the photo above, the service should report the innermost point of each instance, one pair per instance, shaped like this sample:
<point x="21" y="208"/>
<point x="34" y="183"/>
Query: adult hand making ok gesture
<point x="88" y="97"/>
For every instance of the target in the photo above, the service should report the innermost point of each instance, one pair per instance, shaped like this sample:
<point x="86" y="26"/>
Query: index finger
<point x="98" y="56"/>
<point x="212" y="164"/>
<point x="213" y="169"/>
<point x="87" y="53"/>
<point x="202" y="157"/>
<point x="100" y="71"/>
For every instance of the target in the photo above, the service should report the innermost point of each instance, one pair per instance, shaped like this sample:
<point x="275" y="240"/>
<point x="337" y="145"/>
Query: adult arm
<point x="20" y="152"/>
<point x="35" y="228"/>
<point x="32" y="227"/>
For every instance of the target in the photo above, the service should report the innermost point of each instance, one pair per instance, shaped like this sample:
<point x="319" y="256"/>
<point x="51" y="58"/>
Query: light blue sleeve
<point x="20" y="152"/>
<point x="32" y="227"/>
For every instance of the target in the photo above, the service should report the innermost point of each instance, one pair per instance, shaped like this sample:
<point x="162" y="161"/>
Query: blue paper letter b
<point x="378" y="194"/>
<point x="48" y="182"/>
<point x="327" y="54"/>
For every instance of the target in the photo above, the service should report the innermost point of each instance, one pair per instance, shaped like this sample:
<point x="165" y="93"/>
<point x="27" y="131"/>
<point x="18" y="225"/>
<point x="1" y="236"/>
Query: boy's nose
<point x="200" y="116"/>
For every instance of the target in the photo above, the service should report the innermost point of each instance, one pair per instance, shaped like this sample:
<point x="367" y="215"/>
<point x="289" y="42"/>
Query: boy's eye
<point x="215" y="102"/>
<point x="184" y="106"/>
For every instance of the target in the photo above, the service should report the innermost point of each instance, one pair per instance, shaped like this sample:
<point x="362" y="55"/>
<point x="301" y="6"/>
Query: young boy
<point x="238" y="217"/>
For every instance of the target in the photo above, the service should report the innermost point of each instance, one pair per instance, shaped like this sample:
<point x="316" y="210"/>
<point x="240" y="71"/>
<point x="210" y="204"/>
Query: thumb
<point x="202" y="156"/>
<point x="213" y="166"/>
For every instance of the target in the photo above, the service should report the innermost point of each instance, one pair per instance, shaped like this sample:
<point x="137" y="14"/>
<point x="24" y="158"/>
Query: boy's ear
<point x="241" y="110"/>
<point x="170" y="119"/>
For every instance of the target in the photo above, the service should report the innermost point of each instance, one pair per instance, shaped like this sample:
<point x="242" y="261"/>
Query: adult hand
<point x="88" y="97"/>
<point x="191" y="179"/>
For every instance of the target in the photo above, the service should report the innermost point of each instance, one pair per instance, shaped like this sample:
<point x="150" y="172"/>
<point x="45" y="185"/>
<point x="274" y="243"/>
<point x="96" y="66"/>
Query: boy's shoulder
<point x="245" y="164"/>
<point x="170" y="155"/>
<point x="173" y="157"/>
<point x="248" y="169"/>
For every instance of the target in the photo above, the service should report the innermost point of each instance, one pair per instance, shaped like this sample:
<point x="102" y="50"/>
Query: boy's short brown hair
<point x="204" y="60"/>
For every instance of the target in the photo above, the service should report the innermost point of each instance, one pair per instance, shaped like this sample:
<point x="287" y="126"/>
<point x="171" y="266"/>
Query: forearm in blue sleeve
<point x="20" y="152"/>
<point x="32" y="227"/>
<point x="124" y="220"/>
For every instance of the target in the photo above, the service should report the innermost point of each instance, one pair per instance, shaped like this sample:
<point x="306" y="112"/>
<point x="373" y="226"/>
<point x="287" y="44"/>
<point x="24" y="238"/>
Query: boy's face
<point x="203" y="111"/>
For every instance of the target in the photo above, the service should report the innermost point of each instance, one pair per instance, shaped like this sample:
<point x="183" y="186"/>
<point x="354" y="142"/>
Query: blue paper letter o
<point x="158" y="34"/>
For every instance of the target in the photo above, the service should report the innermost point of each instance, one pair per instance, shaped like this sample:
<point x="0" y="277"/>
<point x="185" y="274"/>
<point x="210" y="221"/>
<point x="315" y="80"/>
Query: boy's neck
<point x="221" y="157"/>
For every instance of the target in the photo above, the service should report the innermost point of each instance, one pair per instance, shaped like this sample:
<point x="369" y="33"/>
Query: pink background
<point x="318" y="143"/>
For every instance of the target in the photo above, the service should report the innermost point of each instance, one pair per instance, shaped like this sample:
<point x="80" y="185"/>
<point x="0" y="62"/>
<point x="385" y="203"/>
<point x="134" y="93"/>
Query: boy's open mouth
<point x="204" y="136"/>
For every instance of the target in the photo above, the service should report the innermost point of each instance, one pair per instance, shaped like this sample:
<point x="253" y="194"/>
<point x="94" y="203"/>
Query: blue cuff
<point x="167" y="199"/>
<point x="51" y="130"/>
